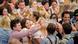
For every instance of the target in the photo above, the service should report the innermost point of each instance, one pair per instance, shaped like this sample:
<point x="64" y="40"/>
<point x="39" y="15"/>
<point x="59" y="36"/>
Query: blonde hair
<point x="34" y="3"/>
<point x="41" y="19"/>
<point x="5" y="22"/>
<point x="43" y="28"/>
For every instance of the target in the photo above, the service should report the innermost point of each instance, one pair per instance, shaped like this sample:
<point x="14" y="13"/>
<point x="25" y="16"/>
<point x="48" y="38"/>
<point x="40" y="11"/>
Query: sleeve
<point x="45" y="41"/>
<point x="63" y="41"/>
<point x="37" y="34"/>
<point x="21" y="34"/>
<point x="57" y="40"/>
<point x="34" y="29"/>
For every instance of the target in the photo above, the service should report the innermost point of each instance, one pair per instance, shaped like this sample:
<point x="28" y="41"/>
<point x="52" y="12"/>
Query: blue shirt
<point x="53" y="40"/>
<point x="4" y="36"/>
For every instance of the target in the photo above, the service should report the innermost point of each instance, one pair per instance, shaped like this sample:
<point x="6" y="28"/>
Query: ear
<point x="14" y="28"/>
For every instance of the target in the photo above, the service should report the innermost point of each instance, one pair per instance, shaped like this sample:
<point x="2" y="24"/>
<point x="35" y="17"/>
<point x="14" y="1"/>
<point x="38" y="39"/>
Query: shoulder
<point x="37" y="34"/>
<point x="1" y="30"/>
<point x="63" y="41"/>
<point x="45" y="41"/>
<point x="13" y="33"/>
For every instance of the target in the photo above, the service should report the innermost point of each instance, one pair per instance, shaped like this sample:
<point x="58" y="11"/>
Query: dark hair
<point x="20" y="1"/>
<point x="44" y="2"/>
<point x="23" y="21"/>
<point x="51" y="28"/>
<point x="36" y="15"/>
<point x="26" y="2"/>
<point x="14" y="22"/>
<point x="67" y="28"/>
<point x="1" y="1"/>
<point x="52" y="2"/>
<point x="52" y="15"/>
<point x="76" y="12"/>
<point x="75" y="38"/>
<point x="65" y="12"/>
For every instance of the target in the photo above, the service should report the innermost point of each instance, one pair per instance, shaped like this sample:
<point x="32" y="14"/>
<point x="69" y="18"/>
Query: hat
<point x="76" y="12"/>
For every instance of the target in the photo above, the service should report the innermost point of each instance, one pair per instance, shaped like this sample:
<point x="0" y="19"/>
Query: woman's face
<point x="66" y="18"/>
<point x="29" y="23"/>
<point x="34" y="4"/>
<point x="42" y="22"/>
<point x="5" y="12"/>
<point x="54" y="4"/>
<point x="46" y="6"/>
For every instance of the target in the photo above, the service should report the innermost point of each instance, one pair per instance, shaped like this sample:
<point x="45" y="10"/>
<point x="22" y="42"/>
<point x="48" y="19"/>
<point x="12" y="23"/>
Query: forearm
<point x="1" y="5"/>
<point x="34" y="29"/>
<point x="20" y="34"/>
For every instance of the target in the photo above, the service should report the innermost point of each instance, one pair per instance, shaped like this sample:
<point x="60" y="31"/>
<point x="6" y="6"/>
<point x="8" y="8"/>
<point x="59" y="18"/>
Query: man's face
<point x="66" y="18"/>
<point x="18" y="27"/>
<point x="21" y="5"/>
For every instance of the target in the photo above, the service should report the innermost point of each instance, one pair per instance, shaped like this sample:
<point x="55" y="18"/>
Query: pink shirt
<point x="21" y="34"/>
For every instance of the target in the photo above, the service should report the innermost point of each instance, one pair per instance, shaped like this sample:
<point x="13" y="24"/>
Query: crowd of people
<point x="37" y="23"/>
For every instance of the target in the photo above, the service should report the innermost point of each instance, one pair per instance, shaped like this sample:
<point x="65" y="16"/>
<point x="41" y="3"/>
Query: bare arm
<point x="21" y="34"/>
<point x="1" y="5"/>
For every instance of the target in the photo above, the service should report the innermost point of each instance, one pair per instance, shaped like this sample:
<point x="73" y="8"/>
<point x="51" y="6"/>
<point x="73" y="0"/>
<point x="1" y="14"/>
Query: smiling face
<point x="17" y="27"/>
<point x="54" y="4"/>
<point x="34" y="4"/>
<point x="21" y="5"/>
<point x="29" y="23"/>
<point x="66" y="18"/>
<point x="46" y="6"/>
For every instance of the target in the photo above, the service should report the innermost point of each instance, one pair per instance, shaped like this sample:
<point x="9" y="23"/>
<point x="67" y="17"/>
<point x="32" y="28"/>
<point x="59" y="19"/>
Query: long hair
<point x="5" y="22"/>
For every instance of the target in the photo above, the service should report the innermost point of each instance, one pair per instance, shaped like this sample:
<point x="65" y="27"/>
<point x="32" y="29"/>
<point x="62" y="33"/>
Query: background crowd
<point x="38" y="22"/>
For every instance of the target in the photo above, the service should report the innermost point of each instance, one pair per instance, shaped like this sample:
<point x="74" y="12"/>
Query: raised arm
<point x="21" y="34"/>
